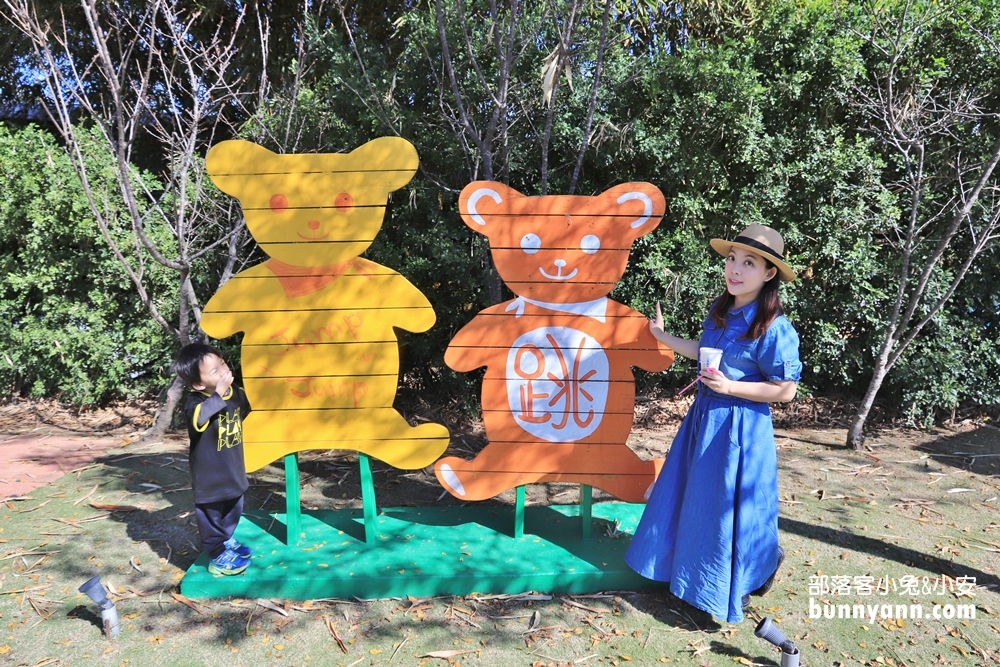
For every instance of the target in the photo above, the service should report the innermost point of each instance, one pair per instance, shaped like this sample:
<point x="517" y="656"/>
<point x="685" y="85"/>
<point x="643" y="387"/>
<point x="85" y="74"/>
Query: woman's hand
<point x="685" y="348"/>
<point x="761" y="392"/>
<point x="656" y="324"/>
<point x="716" y="381"/>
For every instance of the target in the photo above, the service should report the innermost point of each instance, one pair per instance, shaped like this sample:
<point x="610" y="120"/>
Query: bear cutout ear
<point x="235" y="157"/>
<point x="481" y="199"/>
<point x="642" y="206"/>
<point x="395" y="157"/>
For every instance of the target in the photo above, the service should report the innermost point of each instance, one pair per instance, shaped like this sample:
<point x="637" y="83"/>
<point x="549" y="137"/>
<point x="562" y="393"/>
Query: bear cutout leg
<point x="382" y="433"/>
<point x="497" y="469"/>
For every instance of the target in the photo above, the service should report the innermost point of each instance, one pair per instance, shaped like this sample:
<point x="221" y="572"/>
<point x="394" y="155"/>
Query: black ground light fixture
<point x="769" y="631"/>
<point x="109" y="615"/>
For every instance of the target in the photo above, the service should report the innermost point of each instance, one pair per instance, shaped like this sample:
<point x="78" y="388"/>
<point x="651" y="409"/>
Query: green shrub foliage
<point x="74" y="328"/>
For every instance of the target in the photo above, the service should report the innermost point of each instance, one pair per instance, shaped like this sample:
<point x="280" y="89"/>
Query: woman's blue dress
<point x="710" y="527"/>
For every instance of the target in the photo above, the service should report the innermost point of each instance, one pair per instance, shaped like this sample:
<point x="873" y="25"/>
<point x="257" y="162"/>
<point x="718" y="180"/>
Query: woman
<point x="710" y="527"/>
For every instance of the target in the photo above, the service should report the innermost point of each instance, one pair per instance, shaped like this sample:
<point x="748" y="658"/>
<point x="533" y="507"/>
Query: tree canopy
<point x="864" y="132"/>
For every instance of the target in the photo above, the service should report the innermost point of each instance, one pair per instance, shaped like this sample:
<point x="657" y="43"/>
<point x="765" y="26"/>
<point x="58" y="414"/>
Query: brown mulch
<point x="48" y="416"/>
<point x="42" y="439"/>
<point x="667" y="412"/>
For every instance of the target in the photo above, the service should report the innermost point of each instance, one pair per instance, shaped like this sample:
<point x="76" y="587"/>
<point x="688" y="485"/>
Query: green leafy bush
<point x="77" y="329"/>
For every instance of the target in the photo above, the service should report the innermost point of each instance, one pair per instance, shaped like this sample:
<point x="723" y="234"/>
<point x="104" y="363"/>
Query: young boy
<point x="214" y="411"/>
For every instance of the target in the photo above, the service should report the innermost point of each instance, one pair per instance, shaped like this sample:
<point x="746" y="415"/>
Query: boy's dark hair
<point x="188" y="360"/>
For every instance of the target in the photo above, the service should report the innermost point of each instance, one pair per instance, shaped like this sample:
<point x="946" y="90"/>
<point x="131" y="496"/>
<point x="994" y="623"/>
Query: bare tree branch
<point x="594" y="89"/>
<point x="909" y="114"/>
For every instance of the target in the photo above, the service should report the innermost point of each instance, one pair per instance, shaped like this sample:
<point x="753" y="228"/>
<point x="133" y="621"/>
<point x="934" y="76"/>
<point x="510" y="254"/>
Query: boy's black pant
<point x="217" y="523"/>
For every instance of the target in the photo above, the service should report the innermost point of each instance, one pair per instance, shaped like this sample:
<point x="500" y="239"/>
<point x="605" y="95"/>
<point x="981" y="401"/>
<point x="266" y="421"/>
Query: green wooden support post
<point x="586" y="508"/>
<point x="519" y="513"/>
<point x="293" y="506"/>
<point x="368" y="497"/>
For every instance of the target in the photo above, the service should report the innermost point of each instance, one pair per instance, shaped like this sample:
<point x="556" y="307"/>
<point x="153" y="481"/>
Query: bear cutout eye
<point x="279" y="204"/>
<point x="344" y="202"/>
<point x="590" y="244"/>
<point x="530" y="243"/>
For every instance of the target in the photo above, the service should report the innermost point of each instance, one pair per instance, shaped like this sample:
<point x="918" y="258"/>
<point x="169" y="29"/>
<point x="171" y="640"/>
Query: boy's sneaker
<point x="228" y="562"/>
<point x="234" y="545"/>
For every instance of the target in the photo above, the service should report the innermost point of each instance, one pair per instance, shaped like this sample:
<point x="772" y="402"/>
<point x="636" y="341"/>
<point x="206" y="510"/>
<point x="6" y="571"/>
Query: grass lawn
<point x="910" y="523"/>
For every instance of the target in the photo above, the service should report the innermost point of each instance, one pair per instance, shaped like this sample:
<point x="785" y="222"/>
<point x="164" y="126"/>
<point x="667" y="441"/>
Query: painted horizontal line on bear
<point x="563" y="348"/>
<point x="567" y="245"/>
<point x="570" y="217"/>
<point x="331" y="411"/>
<point x="309" y="344"/>
<point x="321" y="308"/>
<point x="317" y="437"/>
<point x="296" y="172"/>
<point x="354" y="445"/>
<point x="300" y="377"/>
<point x="335" y="271"/>
<point x="334" y="307"/>
<point x="568" y="468"/>
<point x="553" y="411"/>
<point x="517" y="444"/>
<point x="301" y="241"/>
<point x="628" y="382"/>
<point x="331" y="207"/>
<point x="555" y="281"/>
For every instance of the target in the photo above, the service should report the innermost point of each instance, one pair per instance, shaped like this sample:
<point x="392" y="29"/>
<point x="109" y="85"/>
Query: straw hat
<point x="762" y="240"/>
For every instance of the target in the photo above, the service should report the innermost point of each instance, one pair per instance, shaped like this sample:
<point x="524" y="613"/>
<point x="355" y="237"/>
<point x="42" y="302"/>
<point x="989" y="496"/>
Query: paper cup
<point x="709" y="357"/>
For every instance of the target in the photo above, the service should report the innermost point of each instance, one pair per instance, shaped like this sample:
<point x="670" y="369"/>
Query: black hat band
<point x="753" y="243"/>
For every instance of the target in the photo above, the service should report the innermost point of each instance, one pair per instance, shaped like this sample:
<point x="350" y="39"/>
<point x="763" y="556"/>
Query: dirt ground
<point x="914" y="506"/>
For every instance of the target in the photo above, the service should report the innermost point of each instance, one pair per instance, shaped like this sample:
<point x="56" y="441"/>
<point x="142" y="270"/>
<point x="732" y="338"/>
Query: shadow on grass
<point x="670" y="610"/>
<point x="836" y="445"/>
<point x="170" y="530"/>
<point x="975" y="451"/>
<point x="880" y="549"/>
<point x="85" y="613"/>
<point x="721" y="648"/>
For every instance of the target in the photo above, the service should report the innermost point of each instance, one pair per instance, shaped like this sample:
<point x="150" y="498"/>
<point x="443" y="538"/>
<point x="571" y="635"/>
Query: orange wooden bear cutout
<point x="559" y="394"/>
<point x="320" y="357"/>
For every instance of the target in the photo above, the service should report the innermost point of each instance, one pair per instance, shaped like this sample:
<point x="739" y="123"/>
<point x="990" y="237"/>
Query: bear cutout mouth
<point x="560" y="263"/>
<point x="314" y="226"/>
<point x="312" y="238"/>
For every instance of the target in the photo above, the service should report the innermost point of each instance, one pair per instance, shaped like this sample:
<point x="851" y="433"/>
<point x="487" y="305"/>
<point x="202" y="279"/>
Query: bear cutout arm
<point x="474" y="346"/>
<point x="222" y="316"/>
<point x="420" y="317"/>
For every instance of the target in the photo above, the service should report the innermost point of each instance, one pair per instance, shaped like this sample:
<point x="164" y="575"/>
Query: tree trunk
<point x="492" y="281"/>
<point x="165" y="413"/>
<point x="855" y="432"/>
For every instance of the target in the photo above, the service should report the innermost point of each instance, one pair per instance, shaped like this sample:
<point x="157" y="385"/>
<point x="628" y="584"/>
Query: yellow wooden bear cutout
<point x="320" y="357"/>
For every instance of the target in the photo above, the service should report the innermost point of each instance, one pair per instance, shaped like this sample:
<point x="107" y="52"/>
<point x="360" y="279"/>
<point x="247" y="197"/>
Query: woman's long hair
<point x="768" y="307"/>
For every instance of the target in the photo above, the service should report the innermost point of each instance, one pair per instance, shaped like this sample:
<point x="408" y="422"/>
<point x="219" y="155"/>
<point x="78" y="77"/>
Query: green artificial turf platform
<point x="423" y="551"/>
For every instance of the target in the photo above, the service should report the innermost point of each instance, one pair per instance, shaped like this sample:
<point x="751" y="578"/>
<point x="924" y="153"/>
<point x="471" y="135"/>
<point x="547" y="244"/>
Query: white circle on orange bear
<point x="557" y="383"/>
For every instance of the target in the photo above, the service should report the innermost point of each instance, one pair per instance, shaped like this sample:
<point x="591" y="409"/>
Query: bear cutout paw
<point x="419" y="448"/>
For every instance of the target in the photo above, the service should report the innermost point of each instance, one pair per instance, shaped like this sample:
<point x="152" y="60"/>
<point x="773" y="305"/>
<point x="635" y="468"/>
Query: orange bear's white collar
<point x="597" y="309"/>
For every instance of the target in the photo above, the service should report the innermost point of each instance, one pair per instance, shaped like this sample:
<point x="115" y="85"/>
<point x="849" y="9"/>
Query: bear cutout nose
<point x="313" y="224"/>
<point x="560" y="263"/>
